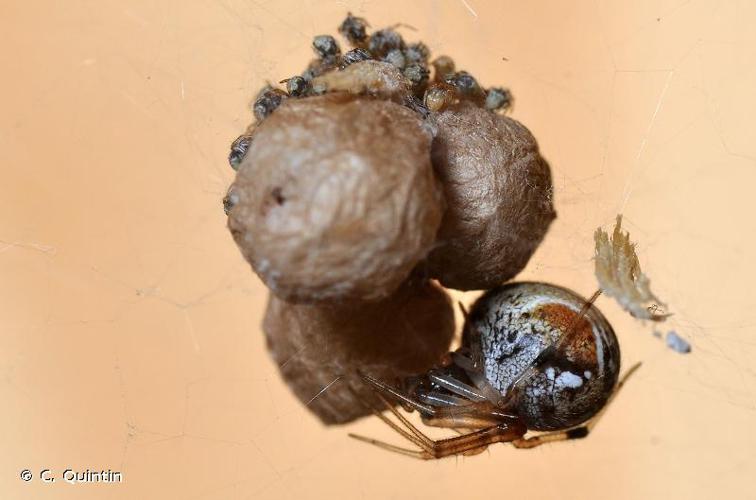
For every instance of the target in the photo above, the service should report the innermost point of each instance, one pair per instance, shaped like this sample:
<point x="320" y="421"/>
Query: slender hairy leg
<point x="492" y="428"/>
<point x="475" y="372"/>
<point x="437" y="399"/>
<point x="417" y="437"/>
<point x="475" y="451"/>
<point x="472" y="442"/>
<point x="479" y="409"/>
<point x="421" y="441"/>
<point x="576" y="432"/>
<point x="425" y="442"/>
<point x="479" y="421"/>
<point x="390" y="447"/>
<point x="450" y="416"/>
<point x="457" y="387"/>
<point x="464" y="362"/>
<point x="496" y="428"/>
<point x="385" y="388"/>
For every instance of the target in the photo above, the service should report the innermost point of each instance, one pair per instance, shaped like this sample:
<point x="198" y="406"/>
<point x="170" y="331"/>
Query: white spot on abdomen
<point x="569" y="379"/>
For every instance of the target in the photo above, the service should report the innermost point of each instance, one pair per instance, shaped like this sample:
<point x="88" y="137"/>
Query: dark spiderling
<point x="464" y="82"/>
<point x="383" y="41"/>
<point x="325" y="46"/>
<point x="239" y="150"/>
<point x="417" y="74"/>
<point x="396" y="57"/>
<point x="297" y="86"/>
<point x="355" y="55"/>
<point x="229" y="202"/>
<point x="443" y="67"/>
<point x="267" y="102"/>
<point x="498" y="98"/>
<point x="353" y="29"/>
<point x="417" y="53"/>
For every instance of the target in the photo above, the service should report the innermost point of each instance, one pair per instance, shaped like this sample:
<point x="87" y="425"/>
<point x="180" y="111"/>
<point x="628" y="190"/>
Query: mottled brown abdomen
<point x="556" y="368"/>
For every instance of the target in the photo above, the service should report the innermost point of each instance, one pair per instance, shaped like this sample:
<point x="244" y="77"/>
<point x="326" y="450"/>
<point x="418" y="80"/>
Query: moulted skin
<point x="336" y="198"/>
<point x="512" y="325"/>
<point x="313" y="345"/>
<point x="373" y="77"/>
<point x="499" y="196"/>
<point x="619" y="274"/>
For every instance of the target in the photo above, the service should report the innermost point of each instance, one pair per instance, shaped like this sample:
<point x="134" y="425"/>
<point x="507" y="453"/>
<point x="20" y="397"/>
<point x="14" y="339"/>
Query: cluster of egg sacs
<point x="368" y="177"/>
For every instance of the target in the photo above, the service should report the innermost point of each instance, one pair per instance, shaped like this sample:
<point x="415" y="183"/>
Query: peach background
<point x="129" y="323"/>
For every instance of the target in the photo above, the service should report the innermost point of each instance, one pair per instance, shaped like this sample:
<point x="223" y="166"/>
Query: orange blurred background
<point x="130" y="325"/>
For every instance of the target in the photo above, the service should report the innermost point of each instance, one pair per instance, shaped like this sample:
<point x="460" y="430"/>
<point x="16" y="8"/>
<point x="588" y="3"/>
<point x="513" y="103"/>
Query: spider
<point x="534" y="357"/>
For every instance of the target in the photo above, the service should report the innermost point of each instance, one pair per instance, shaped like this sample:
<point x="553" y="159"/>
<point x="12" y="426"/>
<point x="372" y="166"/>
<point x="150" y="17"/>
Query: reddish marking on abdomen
<point x="581" y="348"/>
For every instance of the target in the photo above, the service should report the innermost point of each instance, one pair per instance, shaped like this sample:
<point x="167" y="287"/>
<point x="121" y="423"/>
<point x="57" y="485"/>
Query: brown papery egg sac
<point x="319" y="348"/>
<point x="336" y="199"/>
<point x="499" y="196"/>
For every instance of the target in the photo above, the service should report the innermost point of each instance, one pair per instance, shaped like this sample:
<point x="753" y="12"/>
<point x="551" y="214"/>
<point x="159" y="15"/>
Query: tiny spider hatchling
<point x="534" y="356"/>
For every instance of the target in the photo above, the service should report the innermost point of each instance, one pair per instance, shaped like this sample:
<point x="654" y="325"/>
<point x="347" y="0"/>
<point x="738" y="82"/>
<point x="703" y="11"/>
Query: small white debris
<point x="677" y="343"/>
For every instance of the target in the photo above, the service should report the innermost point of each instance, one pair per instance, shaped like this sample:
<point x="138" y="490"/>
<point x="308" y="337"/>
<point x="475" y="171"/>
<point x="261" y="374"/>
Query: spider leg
<point x="474" y="451"/>
<point x="471" y="443"/>
<point x="472" y="421"/>
<point x="475" y="372"/>
<point x="382" y="387"/>
<point x="464" y="362"/>
<point x="475" y="421"/>
<point x="492" y="426"/>
<point x="424" y="455"/>
<point x="481" y="408"/>
<point x="435" y="398"/>
<point x="478" y="440"/>
<point x="457" y="387"/>
<point x="418" y="438"/>
<point x="414" y="435"/>
<point x="550" y="437"/>
<point x="576" y="432"/>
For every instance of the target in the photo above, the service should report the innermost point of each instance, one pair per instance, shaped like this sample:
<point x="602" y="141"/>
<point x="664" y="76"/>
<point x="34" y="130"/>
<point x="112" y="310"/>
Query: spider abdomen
<point x="554" y="366"/>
